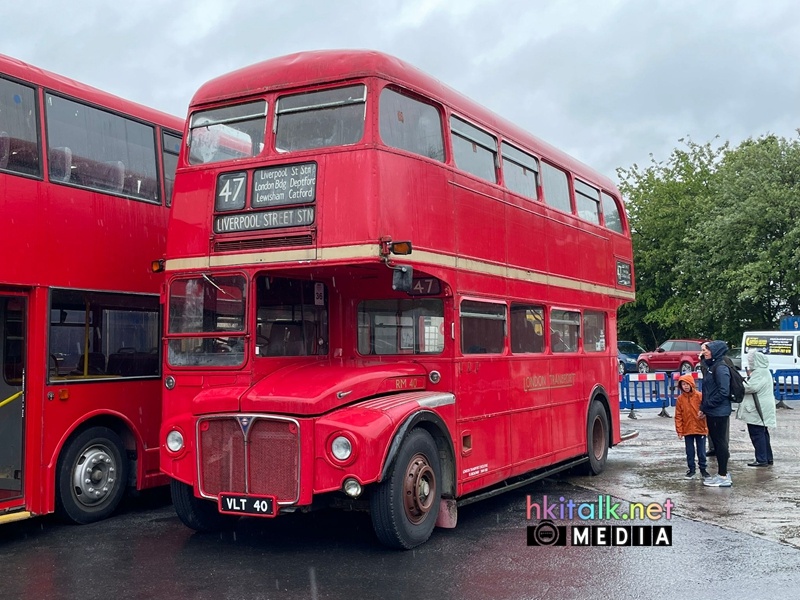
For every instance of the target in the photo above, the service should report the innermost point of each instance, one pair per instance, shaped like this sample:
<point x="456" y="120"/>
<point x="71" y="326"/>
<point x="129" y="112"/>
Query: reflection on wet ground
<point x="761" y="502"/>
<point x="145" y="552"/>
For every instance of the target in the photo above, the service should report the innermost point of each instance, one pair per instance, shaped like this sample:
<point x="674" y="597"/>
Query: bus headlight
<point x="341" y="448"/>
<point x="175" y="440"/>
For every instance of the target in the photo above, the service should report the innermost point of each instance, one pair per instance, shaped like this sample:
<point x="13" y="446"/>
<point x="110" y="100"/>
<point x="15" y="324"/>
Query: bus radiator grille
<point x="271" y="458"/>
<point x="274" y="461"/>
<point x="221" y="456"/>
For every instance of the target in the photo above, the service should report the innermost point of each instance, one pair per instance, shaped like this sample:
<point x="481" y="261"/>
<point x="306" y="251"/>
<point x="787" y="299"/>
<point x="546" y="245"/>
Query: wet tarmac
<point x="738" y="543"/>
<point x="762" y="501"/>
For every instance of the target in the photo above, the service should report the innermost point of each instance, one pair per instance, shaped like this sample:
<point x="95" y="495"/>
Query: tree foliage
<point x="716" y="240"/>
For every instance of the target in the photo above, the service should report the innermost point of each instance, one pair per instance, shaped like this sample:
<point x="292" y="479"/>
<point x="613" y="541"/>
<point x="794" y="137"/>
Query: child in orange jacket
<point x="690" y="427"/>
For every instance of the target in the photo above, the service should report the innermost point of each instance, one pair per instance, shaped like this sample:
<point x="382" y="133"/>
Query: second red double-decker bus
<point x="380" y="295"/>
<point x="84" y="182"/>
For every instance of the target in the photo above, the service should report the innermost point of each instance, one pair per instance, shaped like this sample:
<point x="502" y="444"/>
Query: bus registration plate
<point x="238" y="504"/>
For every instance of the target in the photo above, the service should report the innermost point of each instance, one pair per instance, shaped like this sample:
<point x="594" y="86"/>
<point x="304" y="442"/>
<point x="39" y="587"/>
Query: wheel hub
<point x="598" y="439"/>
<point x="94" y="476"/>
<point x="419" y="489"/>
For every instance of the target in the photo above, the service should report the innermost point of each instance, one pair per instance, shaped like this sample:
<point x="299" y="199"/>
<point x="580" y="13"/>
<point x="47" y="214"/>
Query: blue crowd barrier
<point x="643" y="390"/>
<point x="786" y="384"/>
<point x="660" y="390"/>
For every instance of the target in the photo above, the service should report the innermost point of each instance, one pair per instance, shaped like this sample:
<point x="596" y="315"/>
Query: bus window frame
<point x="486" y="350"/>
<point x="278" y="112"/>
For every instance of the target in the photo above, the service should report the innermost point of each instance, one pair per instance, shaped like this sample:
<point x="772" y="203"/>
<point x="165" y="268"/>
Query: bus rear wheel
<point x="597" y="438"/>
<point x="92" y="475"/>
<point x="405" y="505"/>
<point x="196" y="513"/>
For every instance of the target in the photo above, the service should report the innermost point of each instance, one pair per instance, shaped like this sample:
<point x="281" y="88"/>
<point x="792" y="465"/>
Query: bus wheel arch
<point x="598" y="433"/>
<point x="436" y="427"/>
<point x="91" y="474"/>
<point x="404" y="506"/>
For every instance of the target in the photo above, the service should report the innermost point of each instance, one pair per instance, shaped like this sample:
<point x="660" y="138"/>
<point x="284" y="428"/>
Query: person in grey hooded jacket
<point x="716" y="407"/>
<point x="759" y="417"/>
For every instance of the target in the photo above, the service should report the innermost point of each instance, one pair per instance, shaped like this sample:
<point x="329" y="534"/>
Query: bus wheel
<point x="405" y="505"/>
<point x="196" y="513"/>
<point x="92" y="475"/>
<point x="597" y="438"/>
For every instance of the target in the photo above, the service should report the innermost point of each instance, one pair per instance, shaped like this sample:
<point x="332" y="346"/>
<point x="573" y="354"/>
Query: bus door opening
<point x="12" y="377"/>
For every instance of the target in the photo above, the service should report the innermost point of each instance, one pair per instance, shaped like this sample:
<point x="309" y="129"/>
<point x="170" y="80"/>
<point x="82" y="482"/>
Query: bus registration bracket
<point x="239" y="504"/>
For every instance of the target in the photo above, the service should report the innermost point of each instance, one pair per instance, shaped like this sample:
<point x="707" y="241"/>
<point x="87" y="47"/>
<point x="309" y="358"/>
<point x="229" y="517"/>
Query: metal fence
<point x="660" y="390"/>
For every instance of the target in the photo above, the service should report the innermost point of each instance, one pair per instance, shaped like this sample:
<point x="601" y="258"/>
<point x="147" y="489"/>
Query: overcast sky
<point x="609" y="81"/>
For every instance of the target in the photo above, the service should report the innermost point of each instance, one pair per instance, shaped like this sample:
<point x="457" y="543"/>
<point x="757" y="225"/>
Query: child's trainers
<point x="705" y="474"/>
<point x="689" y="474"/>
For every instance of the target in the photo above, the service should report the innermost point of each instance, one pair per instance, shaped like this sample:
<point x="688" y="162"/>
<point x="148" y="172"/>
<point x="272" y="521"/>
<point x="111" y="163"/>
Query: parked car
<point x="672" y="355"/>
<point x="627" y="353"/>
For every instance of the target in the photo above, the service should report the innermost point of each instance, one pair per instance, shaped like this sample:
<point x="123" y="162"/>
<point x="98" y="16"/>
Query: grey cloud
<point x="610" y="83"/>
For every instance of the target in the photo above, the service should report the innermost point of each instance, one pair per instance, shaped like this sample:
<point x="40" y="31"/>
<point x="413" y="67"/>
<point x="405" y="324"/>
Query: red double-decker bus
<point x="85" y="179"/>
<point x="381" y="296"/>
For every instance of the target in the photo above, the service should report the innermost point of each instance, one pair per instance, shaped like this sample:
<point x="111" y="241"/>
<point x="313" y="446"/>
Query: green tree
<point x="665" y="203"/>
<point x="716" y="239"/>
<point x="750" y="239"/>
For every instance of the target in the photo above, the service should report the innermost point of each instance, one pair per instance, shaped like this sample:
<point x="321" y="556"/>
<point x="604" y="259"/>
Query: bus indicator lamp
<point x="157" y="266"/>
<point x="387" y="246"/>
<point x="175" y="441"/>
<point x="352" y="488"/>
<point x="400" y="248"/>
<point x="169" y="382"/>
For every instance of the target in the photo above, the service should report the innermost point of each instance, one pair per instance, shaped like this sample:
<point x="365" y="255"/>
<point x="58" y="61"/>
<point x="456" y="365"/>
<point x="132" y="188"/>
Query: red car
<point x="672" y="355"/>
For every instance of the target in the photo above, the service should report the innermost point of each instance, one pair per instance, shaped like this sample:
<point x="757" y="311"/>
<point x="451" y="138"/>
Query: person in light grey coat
<point x="760" y="417"/>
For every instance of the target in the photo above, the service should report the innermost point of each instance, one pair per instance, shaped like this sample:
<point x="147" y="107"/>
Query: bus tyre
<point x="597" y="438"/>
<point x="404" y="506"/>
<point x="196" y="513"/>
<point x="92" y="475"/>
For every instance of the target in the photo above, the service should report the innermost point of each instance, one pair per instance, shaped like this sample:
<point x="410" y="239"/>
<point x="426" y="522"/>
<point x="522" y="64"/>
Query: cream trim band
<point x="363" y="251"/>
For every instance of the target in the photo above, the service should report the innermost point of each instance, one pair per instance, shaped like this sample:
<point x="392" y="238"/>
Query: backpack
<point x="737" y="381"/>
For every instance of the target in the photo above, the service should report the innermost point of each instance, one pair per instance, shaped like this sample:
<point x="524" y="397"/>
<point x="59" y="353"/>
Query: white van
<point x="780" y="346"/>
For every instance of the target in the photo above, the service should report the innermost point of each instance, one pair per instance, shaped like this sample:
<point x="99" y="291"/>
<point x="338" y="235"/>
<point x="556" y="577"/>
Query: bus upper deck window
<point x="320" y="119"/>
<point x="227" y="133"/>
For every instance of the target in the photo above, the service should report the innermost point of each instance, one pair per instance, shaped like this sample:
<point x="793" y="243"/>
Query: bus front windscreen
<point x="206" y="321"/>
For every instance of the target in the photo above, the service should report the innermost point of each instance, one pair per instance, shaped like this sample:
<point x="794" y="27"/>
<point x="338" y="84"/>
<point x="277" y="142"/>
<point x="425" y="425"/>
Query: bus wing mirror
<point x="402" y="276"/>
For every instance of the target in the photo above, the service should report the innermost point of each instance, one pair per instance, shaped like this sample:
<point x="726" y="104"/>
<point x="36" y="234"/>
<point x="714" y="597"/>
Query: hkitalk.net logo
<point x="548" y="533"/>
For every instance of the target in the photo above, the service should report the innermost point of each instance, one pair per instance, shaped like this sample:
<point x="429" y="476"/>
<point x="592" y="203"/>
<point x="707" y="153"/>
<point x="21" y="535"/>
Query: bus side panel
<point x="569" y="406"/>
<point x="531" y="418"/>
<point x="483" y="431"/>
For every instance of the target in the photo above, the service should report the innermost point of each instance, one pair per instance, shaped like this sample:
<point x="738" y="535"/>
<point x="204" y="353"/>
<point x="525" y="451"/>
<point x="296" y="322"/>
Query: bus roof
<point x="37" y="76"/>
<point x="325" y="66"/>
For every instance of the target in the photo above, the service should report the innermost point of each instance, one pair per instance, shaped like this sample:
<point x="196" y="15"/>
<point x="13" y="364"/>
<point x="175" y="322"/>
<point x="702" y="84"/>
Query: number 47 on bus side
<point x="425" y="286"/>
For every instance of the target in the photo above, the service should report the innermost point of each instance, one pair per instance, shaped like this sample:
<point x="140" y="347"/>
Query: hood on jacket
<point x="757" y="360"/>
<point x="718" y="349"/>
<point x="686" y="379"/>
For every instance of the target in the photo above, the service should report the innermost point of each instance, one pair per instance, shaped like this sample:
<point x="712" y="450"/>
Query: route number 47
<point x="230" y="191"/>
<point x="425" y="286"/>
